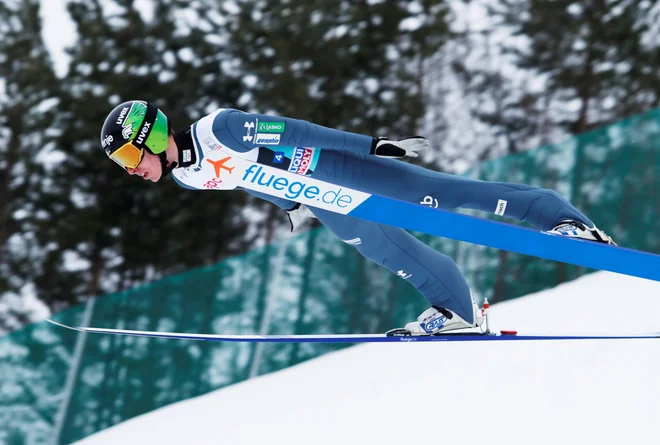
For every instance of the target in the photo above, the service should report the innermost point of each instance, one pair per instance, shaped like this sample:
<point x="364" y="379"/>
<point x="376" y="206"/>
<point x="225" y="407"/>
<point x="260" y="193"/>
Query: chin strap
<point x="166" y="166"/>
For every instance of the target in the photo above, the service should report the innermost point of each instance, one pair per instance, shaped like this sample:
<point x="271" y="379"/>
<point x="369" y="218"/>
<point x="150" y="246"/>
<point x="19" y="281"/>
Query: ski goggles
<point x="131" y="153"/>
<point x="128" y="155"/>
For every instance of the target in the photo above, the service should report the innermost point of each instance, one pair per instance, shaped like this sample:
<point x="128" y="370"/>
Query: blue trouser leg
<point x="539" y="207"/>
<point x="436" y="276"/>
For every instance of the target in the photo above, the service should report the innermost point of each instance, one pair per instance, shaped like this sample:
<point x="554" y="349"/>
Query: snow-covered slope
<point x="588" y="392"/>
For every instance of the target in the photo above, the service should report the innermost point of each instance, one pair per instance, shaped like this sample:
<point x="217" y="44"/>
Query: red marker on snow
<point x="484" y="312"/>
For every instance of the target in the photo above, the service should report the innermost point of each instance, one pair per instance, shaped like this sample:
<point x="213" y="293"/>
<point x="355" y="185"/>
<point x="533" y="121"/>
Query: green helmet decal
<point x="125" y="123"/>
<point x="132" y="119"/>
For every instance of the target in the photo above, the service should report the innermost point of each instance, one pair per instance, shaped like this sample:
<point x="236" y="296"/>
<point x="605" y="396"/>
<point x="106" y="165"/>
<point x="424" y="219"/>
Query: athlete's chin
<point x="155" y="179"/>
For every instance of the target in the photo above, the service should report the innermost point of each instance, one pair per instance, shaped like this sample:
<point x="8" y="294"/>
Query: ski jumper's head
<point x="132" y="130"/>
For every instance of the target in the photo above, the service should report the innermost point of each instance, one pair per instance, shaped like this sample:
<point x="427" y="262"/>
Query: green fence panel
<point x="312" y="283"/>
<point x="59" y="386"/>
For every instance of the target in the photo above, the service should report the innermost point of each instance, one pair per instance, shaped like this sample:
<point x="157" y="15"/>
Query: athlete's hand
<point x="411" y="147"/>
<point x="297" y="215"/>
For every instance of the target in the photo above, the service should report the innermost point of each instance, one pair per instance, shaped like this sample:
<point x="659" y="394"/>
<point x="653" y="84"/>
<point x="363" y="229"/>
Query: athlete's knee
<point x="369" y="250"/>
<point x="446" y="263"/>
<point x="370" y="247"/>
<point x="380" y="246"/>
<point x="552" y="195"/>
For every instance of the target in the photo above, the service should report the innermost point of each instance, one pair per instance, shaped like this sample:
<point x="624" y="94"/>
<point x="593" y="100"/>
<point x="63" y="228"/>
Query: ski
<point x="422" y="218"/>
<point x="358" y="338"/>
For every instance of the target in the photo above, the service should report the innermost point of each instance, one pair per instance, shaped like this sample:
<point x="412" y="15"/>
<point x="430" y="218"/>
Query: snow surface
<point x="569" y="392"/>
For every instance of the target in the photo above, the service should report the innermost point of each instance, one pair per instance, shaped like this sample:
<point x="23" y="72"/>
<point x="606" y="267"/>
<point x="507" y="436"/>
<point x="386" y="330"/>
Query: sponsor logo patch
<point x="238" y="172"/>
<point x="248" y="128"/>
<point x="353" y="242"/>
<point x="271" y="127"/>
<point x="501" y="207"/>
<point x="289" y="189"/>
<point x="220" y="165"/>
<point x="404" y="275"/>
<point x="429" y="201"/>
<point x="267" y="139"/>
<point x="301" y="160"/>
<point x="212" y="183"/>
<point x="263" y="133"/>
<point x="434" y="324"/>
<point x="278" y="157"/>
<point x="107" y="141"/>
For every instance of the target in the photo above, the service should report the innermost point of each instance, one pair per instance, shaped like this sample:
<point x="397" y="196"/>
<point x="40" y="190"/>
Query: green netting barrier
<point x="59" y="386"/>
<point x="312" y="283"/>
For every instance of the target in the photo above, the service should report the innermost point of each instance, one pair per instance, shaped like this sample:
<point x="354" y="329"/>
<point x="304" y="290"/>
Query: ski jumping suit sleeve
<point x="242" y="130"/>
<point x="345" y="160"/>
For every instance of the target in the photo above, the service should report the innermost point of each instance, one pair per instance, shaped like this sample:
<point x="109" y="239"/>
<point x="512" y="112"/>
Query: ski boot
<point x="436" y="321"/>
<point x="579" y="230"/>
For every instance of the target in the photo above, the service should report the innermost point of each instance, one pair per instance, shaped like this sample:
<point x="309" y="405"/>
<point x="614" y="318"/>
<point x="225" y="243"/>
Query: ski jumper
<point x="345" y="159"/>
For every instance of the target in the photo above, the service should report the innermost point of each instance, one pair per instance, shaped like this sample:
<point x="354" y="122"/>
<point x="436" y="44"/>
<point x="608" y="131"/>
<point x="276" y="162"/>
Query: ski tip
<point x="508" y="332"/>
<point x="62" y="325"/>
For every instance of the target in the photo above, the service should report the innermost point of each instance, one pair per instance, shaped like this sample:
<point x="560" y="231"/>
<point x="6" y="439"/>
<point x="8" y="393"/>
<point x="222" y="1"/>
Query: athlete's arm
<point x="237" y="129"/>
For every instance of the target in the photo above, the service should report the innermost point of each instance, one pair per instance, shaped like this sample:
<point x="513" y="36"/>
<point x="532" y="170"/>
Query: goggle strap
<point x="149" y="120"/>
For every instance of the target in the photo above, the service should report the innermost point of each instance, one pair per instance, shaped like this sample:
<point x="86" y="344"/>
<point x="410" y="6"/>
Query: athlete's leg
<point x="436" y="276"/>
<point x="542" y="208"/>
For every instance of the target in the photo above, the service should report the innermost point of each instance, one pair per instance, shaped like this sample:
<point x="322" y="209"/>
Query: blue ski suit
<point x="345" y="159"/>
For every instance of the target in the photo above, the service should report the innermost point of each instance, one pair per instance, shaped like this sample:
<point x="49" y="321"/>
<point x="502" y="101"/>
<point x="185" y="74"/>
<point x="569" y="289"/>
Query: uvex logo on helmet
<point x="122" y="115"/>
<point x="143" y="133"/>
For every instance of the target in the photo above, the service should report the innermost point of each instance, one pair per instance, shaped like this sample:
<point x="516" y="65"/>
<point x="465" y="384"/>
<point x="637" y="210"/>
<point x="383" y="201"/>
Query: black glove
<point x="384" y="148"/>
<point x="297" y="215"/>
